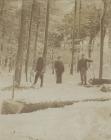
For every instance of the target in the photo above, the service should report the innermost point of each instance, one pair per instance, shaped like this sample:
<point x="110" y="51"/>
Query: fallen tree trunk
<point x="99" y="81"/>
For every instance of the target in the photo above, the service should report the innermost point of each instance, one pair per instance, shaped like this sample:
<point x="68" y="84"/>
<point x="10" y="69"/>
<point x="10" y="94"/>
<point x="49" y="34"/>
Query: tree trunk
<point x="46" y="33"/>
<point x="102" y="36"/>
<point x="36" y="36"/>
<point x="79" y="29"/>
<point x="29" y="42"/>
<point x="2" y="3"/>
<point x="73" y="39"/>
<point x="2" y="21"/>
<point x="52" y="58"/>
<point x="19" y="57"/>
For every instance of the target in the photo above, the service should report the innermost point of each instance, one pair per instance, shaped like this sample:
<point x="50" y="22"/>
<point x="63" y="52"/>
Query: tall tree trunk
<point x="102" y="36"/>
<point x="80" y="8"/>
<point x="19" y="57"/>
<point x="52" y="60"/>
<point x="46" y="32"/>
<point x="79" y="29"/>
<point x="29" y="42"/>
<point x="36" y="35"/>
<point x="73" y="39"/>
<point x="2" y="3"/>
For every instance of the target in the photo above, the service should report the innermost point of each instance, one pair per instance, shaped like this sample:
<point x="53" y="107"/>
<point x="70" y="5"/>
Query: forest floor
<point x="88" y="118"/>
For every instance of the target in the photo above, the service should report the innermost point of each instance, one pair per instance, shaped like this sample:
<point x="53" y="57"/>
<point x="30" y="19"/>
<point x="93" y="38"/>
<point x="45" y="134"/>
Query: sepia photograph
<point x="55" y="69"/>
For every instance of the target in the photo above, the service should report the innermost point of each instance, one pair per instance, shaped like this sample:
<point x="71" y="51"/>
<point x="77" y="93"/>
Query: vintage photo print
<point x="55" y="69"/>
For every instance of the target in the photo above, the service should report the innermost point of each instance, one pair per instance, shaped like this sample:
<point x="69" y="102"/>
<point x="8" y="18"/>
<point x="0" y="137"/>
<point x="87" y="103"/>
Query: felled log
<point x="99" y="81"/>
<point x="11" y="107"/>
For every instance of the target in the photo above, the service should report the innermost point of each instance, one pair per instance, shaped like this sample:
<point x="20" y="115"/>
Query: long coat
<point x="82" y="64"/>
<point x="59" y="67"/>
<point x="40" y="64"/>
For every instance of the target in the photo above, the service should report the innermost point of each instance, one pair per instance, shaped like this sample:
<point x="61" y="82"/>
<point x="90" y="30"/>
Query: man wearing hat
<point x="59" y="69"/>
<point x="39" y="71"/>
<point x="82" y="68"/>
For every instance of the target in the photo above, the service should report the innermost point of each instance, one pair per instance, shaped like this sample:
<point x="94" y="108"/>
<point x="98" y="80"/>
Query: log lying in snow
<point x="11" y="107"/>
<point x="99" y="81"/>
<point x="14" y="107"/>
<point x="105" y="88"/>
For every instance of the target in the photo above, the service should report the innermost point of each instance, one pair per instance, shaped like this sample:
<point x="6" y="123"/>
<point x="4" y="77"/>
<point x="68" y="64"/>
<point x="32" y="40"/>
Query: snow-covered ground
<point x="69" y="90"/>
<point x="81" y="121"/>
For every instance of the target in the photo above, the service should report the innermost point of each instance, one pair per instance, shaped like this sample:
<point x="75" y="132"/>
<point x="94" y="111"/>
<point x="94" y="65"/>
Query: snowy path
<point x="68" y="91"/>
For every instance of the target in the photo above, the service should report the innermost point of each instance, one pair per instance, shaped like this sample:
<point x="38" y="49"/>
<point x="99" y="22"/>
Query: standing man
<point x="39" y="71"/>
<point x="82" y="68"/>
<point x="59" y="69"/>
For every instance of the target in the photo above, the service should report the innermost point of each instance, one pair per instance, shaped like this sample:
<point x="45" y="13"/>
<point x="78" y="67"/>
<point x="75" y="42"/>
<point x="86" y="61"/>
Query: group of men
<point x="82" y="68"/>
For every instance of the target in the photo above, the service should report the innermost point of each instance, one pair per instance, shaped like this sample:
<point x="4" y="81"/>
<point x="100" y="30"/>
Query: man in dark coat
<point x="82" y="68"/>
<point x="39" y="71"/>
<point x="59" y="69"/>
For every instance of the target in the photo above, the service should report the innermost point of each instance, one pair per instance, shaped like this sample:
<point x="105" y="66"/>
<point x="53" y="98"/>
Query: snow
<point x="69" y="90"/>
<point x="77" y="122"/>
<point x="81" y="121"/>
